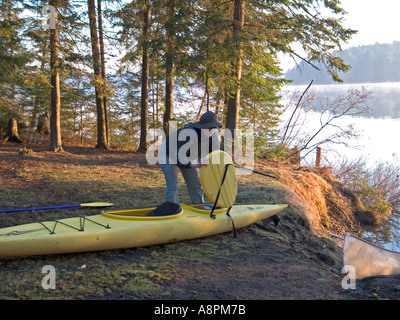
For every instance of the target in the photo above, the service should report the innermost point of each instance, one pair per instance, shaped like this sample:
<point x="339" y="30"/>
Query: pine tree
<point x="55" y="127"/>
<point x="103" y="68"/>
<point x="13" y="60"/>
<point x="232" y="114"/>
<point x="144" y="103"/>
<point x="99" y="81"/>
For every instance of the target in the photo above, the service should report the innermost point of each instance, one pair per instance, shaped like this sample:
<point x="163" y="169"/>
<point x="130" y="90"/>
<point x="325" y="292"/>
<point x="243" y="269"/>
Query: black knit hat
<point x="208" y="121"/>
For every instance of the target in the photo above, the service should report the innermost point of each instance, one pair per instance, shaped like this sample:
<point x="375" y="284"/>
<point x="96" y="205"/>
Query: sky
<point x="375" y="20"/>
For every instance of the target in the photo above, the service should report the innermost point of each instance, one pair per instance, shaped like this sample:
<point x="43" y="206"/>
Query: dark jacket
<point x="195" y="137"/>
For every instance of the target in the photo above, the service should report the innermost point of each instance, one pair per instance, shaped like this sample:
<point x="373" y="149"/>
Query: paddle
<point x="258" y="172"/>
<point x="91" y="204"/>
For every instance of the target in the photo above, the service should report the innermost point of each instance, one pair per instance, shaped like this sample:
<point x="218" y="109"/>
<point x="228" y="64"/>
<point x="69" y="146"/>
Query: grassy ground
<point x="287" y="261"/>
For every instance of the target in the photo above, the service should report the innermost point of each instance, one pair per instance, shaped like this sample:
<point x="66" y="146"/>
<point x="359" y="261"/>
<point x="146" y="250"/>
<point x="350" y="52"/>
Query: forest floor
<point x="296" y="259"/>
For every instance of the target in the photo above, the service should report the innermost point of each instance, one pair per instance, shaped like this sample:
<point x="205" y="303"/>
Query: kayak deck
<point x="126" y="228"/>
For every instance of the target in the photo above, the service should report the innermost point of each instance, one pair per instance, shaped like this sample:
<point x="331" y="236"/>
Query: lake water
<point x="377" y="132"/>
<point x="378" y="139"/>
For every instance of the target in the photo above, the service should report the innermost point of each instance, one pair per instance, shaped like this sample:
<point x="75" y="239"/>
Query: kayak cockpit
<point x="138" y="214"/>
<point x="159" y="213"/>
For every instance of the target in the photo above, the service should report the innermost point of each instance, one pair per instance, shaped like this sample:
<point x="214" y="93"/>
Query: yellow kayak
<point x="126" y="228"/>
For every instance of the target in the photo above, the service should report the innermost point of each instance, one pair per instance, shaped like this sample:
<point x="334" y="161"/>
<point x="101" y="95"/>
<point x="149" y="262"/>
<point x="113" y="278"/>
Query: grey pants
<point x="192" y="180"/>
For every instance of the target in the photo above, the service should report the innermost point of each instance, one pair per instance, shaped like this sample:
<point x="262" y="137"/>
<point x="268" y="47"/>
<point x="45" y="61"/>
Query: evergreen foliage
<point x="194" y="50"/>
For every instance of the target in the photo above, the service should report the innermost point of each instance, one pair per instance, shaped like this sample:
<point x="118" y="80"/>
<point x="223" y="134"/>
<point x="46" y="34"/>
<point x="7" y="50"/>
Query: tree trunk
<point x="12" y="131"/>
<point x="318" y="158"/>
<point x="169" y="93"/>
<point x="98" y="79"/>
<point x="144" y="113"/>
<point x="170" y="67"/>
<point x="43" y="124"/>
<point x="232" y="116"/>
<point x="55" y="127"/>
<point x="103" y="69"/>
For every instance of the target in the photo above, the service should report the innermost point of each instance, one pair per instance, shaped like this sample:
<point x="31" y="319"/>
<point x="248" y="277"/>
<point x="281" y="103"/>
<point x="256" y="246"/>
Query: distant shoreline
<point x="376" y="63"/>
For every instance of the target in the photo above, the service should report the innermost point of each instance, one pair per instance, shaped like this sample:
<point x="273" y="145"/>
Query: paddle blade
<point x="97" y="204"/>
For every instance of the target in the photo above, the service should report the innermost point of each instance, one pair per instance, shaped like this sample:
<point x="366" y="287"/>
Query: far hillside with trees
<point x="369" y="64"/>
